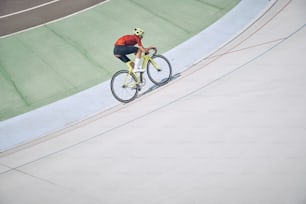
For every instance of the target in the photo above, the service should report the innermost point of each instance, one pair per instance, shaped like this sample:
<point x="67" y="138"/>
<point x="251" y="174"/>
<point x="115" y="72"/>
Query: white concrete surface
<point x="48" y="119"/>
<point x="231" y="129"/>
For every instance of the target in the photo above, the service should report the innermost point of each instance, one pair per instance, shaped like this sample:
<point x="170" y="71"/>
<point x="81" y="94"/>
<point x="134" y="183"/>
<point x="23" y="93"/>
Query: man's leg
<point x="137" y="60"/>
<point x="120" y="52"/>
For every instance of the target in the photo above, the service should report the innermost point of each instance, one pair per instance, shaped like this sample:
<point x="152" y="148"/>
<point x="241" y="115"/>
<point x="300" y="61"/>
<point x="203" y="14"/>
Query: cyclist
<point x="126" y="45"/>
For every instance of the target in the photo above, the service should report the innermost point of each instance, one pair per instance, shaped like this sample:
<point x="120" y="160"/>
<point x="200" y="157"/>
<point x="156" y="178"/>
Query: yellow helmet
<point x="138" y="32"/>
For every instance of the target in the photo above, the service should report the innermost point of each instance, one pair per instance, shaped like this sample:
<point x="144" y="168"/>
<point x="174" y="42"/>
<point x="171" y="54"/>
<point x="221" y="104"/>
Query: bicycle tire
<point x="162" y="76"/>
<point x="124" y="93"/>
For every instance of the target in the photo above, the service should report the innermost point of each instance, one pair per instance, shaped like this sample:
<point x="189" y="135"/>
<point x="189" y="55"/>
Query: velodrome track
<point x="77" y="56"/>
<point x="230" y="129"/>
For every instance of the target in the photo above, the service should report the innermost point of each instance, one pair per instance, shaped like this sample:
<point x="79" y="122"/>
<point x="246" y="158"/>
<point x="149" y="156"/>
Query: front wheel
<point x="159" y="70"/>
<point x="124" y="86"/>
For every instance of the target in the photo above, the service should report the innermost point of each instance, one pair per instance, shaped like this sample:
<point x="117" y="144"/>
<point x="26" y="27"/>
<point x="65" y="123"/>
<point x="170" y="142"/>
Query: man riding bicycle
<point x="126" y="45"/>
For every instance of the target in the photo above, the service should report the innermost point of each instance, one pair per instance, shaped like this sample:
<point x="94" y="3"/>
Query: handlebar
<point x="154" y="53"/>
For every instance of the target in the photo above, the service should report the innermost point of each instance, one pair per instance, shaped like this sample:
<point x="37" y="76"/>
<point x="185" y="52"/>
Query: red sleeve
<point x="138" y="40"/>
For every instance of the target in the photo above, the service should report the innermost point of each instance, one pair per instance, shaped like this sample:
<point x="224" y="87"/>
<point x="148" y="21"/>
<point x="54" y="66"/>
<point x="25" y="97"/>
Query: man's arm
<point x="145" y="50"/>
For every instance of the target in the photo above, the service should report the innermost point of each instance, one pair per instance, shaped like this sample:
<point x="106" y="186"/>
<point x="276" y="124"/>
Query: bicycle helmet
<point x="138" y="32"/>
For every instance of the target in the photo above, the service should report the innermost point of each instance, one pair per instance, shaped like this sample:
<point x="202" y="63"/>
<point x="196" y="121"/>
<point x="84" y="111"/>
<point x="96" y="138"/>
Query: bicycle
<point x="126" y="84"/>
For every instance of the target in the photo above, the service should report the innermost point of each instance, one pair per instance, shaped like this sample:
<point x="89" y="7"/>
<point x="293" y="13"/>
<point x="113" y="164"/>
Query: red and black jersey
<point x="129" y="40"/>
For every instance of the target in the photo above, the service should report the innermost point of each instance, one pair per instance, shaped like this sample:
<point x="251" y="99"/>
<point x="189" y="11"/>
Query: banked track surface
<point x="231" y="129"/>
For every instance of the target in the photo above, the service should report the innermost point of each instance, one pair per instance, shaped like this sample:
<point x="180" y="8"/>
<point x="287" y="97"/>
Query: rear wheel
<point x="124" y="86"/>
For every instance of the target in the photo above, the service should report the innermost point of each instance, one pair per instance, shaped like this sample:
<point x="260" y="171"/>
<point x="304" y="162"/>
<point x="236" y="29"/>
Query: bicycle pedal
<point x="138" y="87"/>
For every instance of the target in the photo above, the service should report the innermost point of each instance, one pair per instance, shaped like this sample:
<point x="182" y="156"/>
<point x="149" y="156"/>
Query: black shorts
<point x="121" y="51"/>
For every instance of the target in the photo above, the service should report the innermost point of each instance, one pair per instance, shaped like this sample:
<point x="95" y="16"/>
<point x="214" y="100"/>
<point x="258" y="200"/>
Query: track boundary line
<point x="30" y="9"/>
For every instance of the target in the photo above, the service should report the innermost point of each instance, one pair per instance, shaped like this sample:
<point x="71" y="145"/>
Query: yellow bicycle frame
<point x="146" y="59"/>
